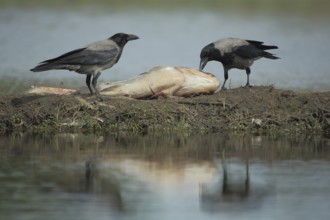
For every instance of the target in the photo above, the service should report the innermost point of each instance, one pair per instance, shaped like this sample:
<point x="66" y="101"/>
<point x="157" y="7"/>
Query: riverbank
<point x="260" y="109"/>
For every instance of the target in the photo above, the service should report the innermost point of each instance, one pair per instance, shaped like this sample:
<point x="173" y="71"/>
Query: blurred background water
<point x="172" y="33"/>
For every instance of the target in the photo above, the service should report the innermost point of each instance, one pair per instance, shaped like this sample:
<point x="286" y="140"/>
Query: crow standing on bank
<point x="90" y="60"/>
<point x="235" y="53"/>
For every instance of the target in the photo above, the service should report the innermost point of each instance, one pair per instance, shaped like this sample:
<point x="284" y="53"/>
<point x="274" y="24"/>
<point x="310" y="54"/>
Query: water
<point x="76" y="176"/>
<point x="168" y="37"/>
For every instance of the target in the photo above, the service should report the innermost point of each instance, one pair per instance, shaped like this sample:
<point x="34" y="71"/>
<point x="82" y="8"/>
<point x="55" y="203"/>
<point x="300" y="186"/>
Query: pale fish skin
<point x="45" y="90"/>
<point x="164" y="81"/>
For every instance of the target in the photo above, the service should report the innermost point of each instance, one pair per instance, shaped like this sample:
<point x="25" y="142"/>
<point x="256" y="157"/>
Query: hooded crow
<point x="90" y="60"/>
<point x="235" y="53"/>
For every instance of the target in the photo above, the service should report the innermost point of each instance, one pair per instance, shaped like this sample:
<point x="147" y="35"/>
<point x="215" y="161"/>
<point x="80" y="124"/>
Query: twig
<point x="205" y="103"/>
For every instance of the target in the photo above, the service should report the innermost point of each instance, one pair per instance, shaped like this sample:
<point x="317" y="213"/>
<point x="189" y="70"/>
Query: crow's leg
<point x="94" y="82"/>
<point x="226" y="77"/>
<point x="248" y="71"/>
<point x="88" y="83"/>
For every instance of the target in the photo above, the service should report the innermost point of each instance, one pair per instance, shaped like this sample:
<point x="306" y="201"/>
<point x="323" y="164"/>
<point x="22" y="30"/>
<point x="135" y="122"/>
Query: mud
<point x="261" y="109"/>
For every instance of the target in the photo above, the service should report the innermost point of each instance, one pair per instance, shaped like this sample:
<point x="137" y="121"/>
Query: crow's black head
<point x="121" y="38"/>
<point x="208" y="53"/>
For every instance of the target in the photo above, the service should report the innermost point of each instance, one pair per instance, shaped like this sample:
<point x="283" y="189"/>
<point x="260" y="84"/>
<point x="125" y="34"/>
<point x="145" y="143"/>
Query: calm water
<point x="168" y="37"/>
<point x="209" y="176"/>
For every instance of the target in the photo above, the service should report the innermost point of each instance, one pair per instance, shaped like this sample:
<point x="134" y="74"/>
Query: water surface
<point x="209" y="176"/>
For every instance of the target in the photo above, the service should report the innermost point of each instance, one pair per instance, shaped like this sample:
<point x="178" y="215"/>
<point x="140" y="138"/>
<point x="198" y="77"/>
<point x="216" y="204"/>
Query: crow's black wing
<point x="247" y="51"/>
<point x="260" y="45"/>
<point x="85" y="56"/>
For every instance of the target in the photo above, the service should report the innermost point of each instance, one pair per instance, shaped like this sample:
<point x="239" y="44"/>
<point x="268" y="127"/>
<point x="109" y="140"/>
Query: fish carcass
<point x="159" y="81"/>
<point x="164" y="81"/>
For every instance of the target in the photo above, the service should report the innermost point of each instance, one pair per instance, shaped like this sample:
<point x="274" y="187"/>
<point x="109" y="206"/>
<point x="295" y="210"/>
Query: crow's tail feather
<point x="269" y="55"/>
<point x="266" y="47"/>
<point x="260" y="45"/>
<point x="47" y="66"/>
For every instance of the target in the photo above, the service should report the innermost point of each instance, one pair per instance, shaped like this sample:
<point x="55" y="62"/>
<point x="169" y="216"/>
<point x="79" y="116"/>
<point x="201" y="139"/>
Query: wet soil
<point x="261" y="109"/>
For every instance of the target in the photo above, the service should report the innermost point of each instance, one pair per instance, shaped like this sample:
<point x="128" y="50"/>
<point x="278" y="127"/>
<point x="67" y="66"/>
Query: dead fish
<point x="44" y="90"/>
<point x="159" y="81"/>
<point x="164" y="81"/>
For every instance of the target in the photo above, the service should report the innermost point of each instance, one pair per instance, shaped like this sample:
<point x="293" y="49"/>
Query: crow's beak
<point x="202" y="63"/>
<point x="132" y="37"/>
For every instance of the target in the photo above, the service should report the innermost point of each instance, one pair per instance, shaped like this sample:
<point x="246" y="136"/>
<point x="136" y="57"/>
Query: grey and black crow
<point x="235" y="53"/>
<point x="90" y="60"/>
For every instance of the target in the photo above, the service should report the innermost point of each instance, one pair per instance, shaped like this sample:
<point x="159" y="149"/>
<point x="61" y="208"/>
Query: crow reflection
<point x="90" y="175"/>
<point x="229" y="190"/>
<point x="106" y="189"/>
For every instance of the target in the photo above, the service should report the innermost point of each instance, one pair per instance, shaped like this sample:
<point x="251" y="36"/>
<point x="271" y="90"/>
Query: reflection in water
<point x="228" y="192"/>
<point x="157" y="176"/>
<point x="95" y="184"/>
<point x="90" y="175"/>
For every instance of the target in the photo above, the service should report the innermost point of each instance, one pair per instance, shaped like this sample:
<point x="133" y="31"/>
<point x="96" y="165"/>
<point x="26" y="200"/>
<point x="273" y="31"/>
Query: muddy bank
<point x="261" y="109"/>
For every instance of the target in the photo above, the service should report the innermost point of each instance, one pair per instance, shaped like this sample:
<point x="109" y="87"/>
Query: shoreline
<point x="260" y="109"/>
